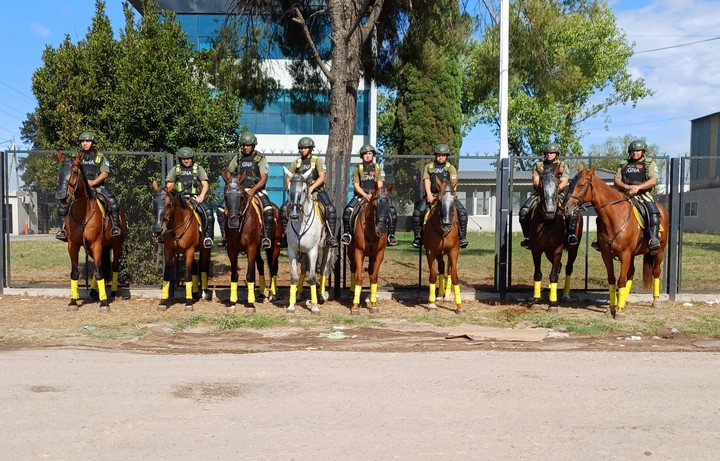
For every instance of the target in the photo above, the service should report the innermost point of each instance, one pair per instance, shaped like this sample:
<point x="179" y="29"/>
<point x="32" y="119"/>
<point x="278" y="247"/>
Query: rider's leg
<point x="525" y="220"/>
<point x="269" y="221"/>
<point x="392" y="240"/>
<point x="594" y="243"/>
<point x="417" y="218"/>
<point x="654" y="226"/>
<point x="331" y="216"/>
<point x="62" y="214"/>
<point x="114" y="212"/>
<point x="221" y="224"/>
<point x="572" y="239"/>
<point x="347" y="213"/>
<point x="209" y="225"/>
<point x="284" y="221"/>
<point x="463" y="221"/>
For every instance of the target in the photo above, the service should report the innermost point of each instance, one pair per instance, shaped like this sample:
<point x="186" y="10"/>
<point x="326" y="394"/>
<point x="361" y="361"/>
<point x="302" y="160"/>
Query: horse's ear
<point x="155" y="185"/>
<point x="439" y="183"/>
<point x="226" y="175"/>
<point x="307" y="174"/>
<point x="581" y="167"/>
<point x="389" y="188"/>
<point x="287" y="172"/>
<point x="455" y="185"/>
<point x="60" y="156"/>
<point x="79" y="156"/>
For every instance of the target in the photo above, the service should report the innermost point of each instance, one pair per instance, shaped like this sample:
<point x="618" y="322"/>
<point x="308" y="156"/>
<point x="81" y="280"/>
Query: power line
<point x="678" y="46"/>
<point x="17" y="91"/>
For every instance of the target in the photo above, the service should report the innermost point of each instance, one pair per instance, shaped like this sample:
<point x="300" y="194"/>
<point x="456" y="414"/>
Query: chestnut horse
<point x="243" y="227"/>
<point x="369" y="239"/>
<point x="547" y="236"/>
<point x="177" y="225"/>
<point x="88" y="228"/>
<point x="620" y="236"/>
<point x="440" y="238"/>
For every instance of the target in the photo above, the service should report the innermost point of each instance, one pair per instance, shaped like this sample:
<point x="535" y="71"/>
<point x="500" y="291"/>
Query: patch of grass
<point x="110" y="332"/>
<point x="705" y="324"/>
<point x="192" y="321"/>
<point x="258" y="321"/>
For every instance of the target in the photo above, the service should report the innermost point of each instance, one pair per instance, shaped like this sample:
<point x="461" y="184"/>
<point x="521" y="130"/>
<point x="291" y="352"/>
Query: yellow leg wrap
<point x="566" y="287"/>
<point x="656" y="288"/>
<point x="613" y="295"/>
<point x="352" y="282"/>
<point x="251" y="292"/>
<point x="301" y="281"/>
<point x="431" y="295"/>
<point x="628" y="285"/>
<point x="114" y="285"/>
<point x="195" y="284"/>
<point x="166" y="289"/>
<point x="323" y="282"/>
<point x="93" y="283"/>
<point x="233" y="292"/>
<point x="74" y="289"/>
<point x="261" y="283"/>
<point x="458" y="298"/>
<point x="293" y="294"/>
<point x="356" y="298"/>
<point x="204" y="280"/>
<point x="553" y="292"/>
<point x="441" y="284"/>
<point x="188" y="290"/>
<point x="273" y="285"/>
<point x="101" y="289"/>
<point x="313" y="294"/>
<point x="622" y="297"/>
<point x="373" y="292"/>
<point x="448" y="285"/>
<point x="537" y="289"/>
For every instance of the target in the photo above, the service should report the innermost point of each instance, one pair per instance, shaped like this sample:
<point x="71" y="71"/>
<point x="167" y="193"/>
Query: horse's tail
<point x="648" y="264"/>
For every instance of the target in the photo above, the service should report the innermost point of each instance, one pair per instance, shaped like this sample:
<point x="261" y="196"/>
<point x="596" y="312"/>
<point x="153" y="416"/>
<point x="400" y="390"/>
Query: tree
<point x="568" y="64"/>
<point x="611" y="152"/>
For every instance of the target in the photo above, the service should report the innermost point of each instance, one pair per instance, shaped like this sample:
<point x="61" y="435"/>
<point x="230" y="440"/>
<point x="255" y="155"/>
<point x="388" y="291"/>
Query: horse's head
<point x="235" y="198"/>
<point x="549" y="183"/>
<point x="580" y="190"/>
<point x="159" y="201"/>
<point x="382" y="214"/>
<point x="67" y="177"/>
<point x="447" y="206"/>
<point x="297" y="192"/>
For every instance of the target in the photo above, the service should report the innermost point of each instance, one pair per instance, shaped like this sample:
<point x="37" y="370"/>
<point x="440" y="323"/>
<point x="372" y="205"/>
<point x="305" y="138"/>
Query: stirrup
<point x="595" y="245"/>
<point x="525" y="243"/>
<point x="572" y="240"/>
<point x="222" y="243"/>
<point x="463" y="242"/>
<point x="61" y="235"/>
<point x="283" y="242"/>
<point x="115" y="232"/>
<point x="417" y="241"/>
<point x="265" y="243"/>
<point x="346" y="239"/>
<point x="654" y="246"/>
<point x="392" y="240"/>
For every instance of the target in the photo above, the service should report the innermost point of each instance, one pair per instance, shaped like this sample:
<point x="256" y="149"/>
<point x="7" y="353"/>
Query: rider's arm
<point x="205" y="188"/>
<point x="98" y="181"/>
<point x="263" y="167"/>
<point x="320" y="167"/>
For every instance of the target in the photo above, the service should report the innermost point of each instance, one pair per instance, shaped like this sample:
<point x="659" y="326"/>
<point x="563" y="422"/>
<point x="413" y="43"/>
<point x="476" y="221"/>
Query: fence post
<point x="502" y="192"/>
<point x="3" y="232"/>
<point x="340" y="254"/>
<point x="674" y="203"/>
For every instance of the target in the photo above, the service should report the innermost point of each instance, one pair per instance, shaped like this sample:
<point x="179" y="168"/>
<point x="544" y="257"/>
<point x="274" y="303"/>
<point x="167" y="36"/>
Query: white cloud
<point x="39" y="29"/>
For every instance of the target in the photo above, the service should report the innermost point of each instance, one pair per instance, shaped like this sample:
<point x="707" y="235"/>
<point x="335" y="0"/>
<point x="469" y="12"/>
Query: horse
<point x="369" y="239"/>
<point x="87" y="227"/>
<point x="440" y="238"/>
<point x="179" y="228"/>
<point x="547" y="236"/>
<point x="243" y="226"/>
<point x="620" y="236"/>
<point x="305" y="234"/>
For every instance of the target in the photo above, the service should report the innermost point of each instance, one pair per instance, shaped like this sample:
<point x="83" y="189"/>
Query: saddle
<point x="256" y="203"/>
<point x="356" y="212"/>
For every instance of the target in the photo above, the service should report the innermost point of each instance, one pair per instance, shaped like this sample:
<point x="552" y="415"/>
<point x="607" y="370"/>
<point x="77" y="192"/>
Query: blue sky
<point x="684" y="76"/>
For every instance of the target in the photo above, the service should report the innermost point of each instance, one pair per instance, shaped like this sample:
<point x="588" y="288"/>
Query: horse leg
<point x="537" y="275"/>
<point x="453" y="256"/>
<point x="443" y="283"/>
<point x="196" y="279"/>
<point x="189" y="260"/>
<point x="96" y="251"/>
<point x="74" y="276"/>
<point x="431" y="259"/>
<point x="375" y="265"/>
<point x="260" y="266"/>
<point x="358" y="257"/>
<point x="117" y="250"/>
<point x="623" y="287"/>
<point x="168" y="269"/>
<point x="555" y="273"/>
<point x="273" y="260"/>
<point x="311" y="257"/>
<point x="252" y="254"/>
<point x="569" y="267"/>
<point x="205" y="254"/>
<point x="292" y="254"/>
<point x="233" y="252"/>
<point x="324" y="257"/>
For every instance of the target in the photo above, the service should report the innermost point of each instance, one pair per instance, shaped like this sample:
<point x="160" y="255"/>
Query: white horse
<point x="306" y="241"/>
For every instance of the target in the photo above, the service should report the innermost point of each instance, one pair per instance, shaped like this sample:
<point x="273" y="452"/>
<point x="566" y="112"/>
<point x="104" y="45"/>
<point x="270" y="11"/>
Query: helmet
<point x="367" y="148"/>
<point x="248" y="139"/>
<point x="87" y="136"/>
<point x="442" y="149"/>
<point x="306" y="142"/>
<point x="550" y="148"/>
<point x="638" y="144"/>
<point x="185" y="152"/>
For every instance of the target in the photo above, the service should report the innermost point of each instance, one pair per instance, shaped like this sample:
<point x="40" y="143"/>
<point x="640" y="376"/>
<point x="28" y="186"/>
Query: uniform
<point x="637" y="172"/>
<point x="561" y="170"/>
<point x="188" y="181"/>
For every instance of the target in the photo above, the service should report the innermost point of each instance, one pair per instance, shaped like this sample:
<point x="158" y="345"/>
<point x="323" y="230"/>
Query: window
<point x="690" y="209"/>
<point x="481" y="203"/>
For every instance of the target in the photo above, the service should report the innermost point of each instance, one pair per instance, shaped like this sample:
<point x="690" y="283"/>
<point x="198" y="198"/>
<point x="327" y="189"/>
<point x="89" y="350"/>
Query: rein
<point x="185" y="225"/>
<point x="305" y="225"/>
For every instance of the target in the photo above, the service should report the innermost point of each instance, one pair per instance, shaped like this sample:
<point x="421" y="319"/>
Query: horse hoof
<point x="620" y="316"/>
<point x="188" y="305"/>
<point x="355" y="310"/>
<point x="552" y="309"/>
<point x="290" y="310"/>
<point x="73" y="305"/>
<point x="314" y="309"/>
<point x="566" y="299"/>
<point x="94" y="295"/>
<point x="459" y="310"/>
<point x="374" y="310"/>
<point x="656" y="303"/>
<point x="325" y="296"/>
<point x="612" y="311"/>
<point x="208" y="295"/>
<point x="250" y="309"/>
<point x="431" y="306"/>
<point x="231" y="308"/>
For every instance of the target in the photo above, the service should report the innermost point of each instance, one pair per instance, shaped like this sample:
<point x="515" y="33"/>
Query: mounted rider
<point x="316" y="184"/>
<point x="444" y="171"/>
<point x="366" y="177"/>
<point x="637" y="176"/>
<point x="255" y="167"/>
<point x="97" y="169"/>
<point x="551" y="155"/>
<point x="191" y="180"/>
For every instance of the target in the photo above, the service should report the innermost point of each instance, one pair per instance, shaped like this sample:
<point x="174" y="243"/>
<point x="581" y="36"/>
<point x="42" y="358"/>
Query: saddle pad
<point x="101" y="206"/>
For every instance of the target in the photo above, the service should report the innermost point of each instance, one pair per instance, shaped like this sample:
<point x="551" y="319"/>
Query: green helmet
<point x="87" y="136"/>
<point x="551" y="147"/>
<point x="185" y="152"/>
<point x="638" y="144"/>
<point x="248" y="139"/>
<point x="306" y="142"/>
<point x="442" y="149"/>
<point x="367" y="148"/>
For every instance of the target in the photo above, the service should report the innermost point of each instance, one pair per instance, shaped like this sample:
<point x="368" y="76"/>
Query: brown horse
<point x="243" y="227"/>
<point x="547" y="236"/>
<point x="369" y="239"/>
<point x="620" y="236"/>
<point x="440" y="238"/>
<point x="88" y="228"/>
<point x="177" y="225"/>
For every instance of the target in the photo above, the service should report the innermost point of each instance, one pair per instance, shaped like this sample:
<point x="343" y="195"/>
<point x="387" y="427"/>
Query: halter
<point x="169" y="209"/>
<point x="234" y="187"/>
<point x="437" y="204"/>
<point x="297" y="200"/>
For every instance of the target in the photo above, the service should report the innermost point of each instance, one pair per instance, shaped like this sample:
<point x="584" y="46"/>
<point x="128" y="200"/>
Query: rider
<point x="441" y="169"/>
<point x="97" y="169"/>
<point x="255" y="167"/>
<point x="366" y="177"/>
<point x="190" y="179"/>
<point x="316" y="183"/>
<point x="551" y="154"/>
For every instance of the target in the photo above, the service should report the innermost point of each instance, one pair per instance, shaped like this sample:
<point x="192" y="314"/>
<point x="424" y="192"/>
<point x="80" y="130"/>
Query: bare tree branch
<point x="299" y="19"/>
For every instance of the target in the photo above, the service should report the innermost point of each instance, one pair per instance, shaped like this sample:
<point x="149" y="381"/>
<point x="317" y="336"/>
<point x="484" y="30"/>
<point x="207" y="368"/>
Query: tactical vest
<point x="368" y="177"/>
<point x="91" y="165"/>
<point x="187" y="180"/>
<point x="250" y="166"/>
<point x="302" y="165"/>
<point x="441" y="172"/>
<point x="634" y="173"/>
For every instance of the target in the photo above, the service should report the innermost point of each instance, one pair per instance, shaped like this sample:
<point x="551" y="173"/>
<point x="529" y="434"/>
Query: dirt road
<point x="65" y="403"/>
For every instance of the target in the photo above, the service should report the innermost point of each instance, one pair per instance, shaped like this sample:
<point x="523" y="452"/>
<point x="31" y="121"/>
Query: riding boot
<point x="209" y="228"/>
<point x="221" y="224"/>
<point x="332" y="223"/>
<point x="572" y="239"/>
<point x="653" y="230"/>
<point x="392" y="240"/>
<point x="525" y="225"/>
<point x="417" y="219"/>
<point x="346" y="237"/>
<point x="269" y="221"/>
<point x="62" y="214"/>
<point x="463" y="222"/>
<point x="284" y="221"/>
<point x="114" y="215"/>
